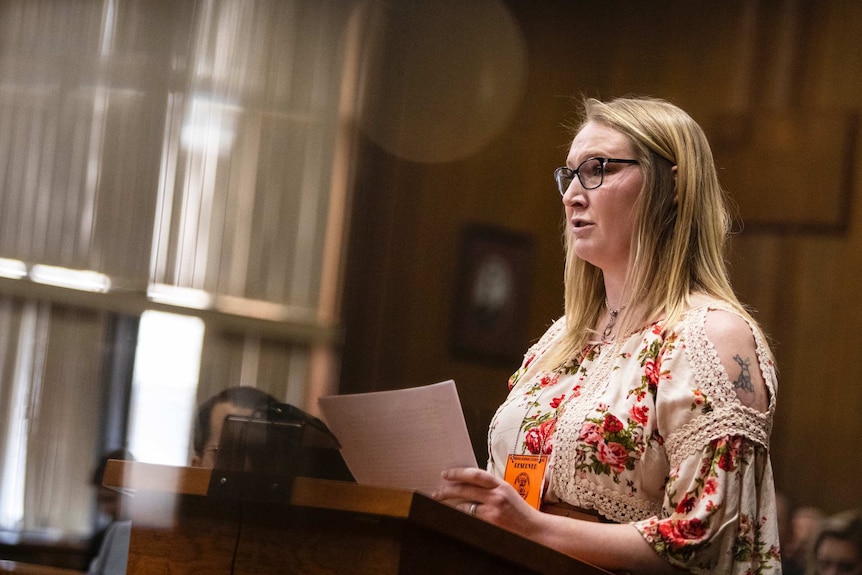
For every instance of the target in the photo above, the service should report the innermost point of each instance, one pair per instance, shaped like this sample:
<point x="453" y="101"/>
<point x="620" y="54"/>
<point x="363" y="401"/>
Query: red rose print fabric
<point x="647" y="430"/>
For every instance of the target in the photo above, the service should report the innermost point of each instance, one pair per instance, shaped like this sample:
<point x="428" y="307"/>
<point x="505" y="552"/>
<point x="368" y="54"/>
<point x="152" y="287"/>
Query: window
<point x="164" y="387"/>
<point x="187" y="157"/>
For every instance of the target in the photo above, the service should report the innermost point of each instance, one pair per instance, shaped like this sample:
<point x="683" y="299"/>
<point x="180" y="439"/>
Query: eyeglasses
<point x="590" y="172"/>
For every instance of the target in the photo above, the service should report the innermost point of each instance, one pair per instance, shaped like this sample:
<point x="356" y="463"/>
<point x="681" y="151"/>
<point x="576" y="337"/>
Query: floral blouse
<point x="648" y="430"/>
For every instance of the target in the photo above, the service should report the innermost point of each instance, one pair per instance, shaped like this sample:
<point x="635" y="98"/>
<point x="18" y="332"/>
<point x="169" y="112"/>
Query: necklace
<point x="613" y="319"/>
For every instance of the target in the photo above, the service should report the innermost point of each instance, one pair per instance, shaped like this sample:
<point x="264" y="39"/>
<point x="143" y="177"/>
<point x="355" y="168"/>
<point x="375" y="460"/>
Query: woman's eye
<point x="595" y="169"/>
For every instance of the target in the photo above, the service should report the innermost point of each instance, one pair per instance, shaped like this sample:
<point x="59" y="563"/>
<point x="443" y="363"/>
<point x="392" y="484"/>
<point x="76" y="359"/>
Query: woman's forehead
<point x="595" y="139"/>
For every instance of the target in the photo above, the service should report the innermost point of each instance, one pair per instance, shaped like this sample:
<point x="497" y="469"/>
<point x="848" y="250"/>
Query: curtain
<point x="50" y="409"/>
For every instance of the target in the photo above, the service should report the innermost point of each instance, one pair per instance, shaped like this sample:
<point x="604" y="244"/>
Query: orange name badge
<point x="526" y="473"/>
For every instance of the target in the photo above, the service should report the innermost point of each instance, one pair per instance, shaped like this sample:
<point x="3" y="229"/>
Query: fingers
<point x="472" y="509"/>
<point x="469" y="489"/>
<point x="471" y="476"/>
<point x="480" y="494"/>
<point x="460" y="495"/>
<point x="463" y="486"/>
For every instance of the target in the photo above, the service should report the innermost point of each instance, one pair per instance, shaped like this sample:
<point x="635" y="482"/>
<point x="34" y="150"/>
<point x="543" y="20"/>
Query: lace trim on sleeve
<point x="731" y="420"/>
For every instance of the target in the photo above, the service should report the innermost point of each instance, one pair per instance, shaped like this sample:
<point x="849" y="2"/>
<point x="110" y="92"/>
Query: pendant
<point x="613" y="319"/>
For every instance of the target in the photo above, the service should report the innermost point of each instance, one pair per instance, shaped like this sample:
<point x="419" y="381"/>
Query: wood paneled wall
<point x="713" y="59"/>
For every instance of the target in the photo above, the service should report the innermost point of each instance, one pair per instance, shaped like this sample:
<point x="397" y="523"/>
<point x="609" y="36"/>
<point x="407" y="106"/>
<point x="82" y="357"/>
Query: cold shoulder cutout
<point x="734" y="342"/>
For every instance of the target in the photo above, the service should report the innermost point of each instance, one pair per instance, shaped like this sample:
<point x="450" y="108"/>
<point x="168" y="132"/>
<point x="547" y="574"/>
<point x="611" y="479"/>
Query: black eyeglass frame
<point x="570" y="174"/>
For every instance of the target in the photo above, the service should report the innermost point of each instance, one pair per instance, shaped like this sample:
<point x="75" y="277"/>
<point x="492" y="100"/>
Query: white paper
<point x="403" y="438"/>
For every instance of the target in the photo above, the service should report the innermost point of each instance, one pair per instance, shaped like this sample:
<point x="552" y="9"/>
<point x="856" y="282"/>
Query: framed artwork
<point x="492" y="296"/>
<point x="770" y="162"/>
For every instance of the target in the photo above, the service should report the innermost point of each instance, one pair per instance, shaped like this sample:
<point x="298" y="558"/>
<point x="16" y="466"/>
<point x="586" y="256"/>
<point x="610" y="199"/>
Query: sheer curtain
<point x="175" y="155"/>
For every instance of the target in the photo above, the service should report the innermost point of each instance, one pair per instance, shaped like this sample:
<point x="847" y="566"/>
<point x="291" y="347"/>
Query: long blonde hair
<point x="681" y="226"/>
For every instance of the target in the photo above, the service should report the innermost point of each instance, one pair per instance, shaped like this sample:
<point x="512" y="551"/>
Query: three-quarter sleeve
<point x="716" y="517"/>
<point x="718" y="511"/>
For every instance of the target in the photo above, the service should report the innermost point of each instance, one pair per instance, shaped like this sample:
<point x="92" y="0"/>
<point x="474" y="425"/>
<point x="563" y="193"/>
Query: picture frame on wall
<point x="492" y="295"/>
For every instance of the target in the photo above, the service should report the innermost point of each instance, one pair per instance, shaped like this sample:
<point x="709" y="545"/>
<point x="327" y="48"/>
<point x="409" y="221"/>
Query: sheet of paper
<point x="403" y="438"/>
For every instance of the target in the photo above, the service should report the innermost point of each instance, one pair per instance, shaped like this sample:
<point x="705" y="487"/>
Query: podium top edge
<point x="130" y="476"/>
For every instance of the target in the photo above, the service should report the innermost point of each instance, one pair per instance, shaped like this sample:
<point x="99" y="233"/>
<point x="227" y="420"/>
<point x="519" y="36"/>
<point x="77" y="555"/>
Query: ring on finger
<point x="472" y="510"/>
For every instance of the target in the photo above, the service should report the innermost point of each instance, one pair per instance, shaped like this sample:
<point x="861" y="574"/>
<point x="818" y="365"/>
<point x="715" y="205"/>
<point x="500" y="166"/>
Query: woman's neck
<point x="614" y="294"/>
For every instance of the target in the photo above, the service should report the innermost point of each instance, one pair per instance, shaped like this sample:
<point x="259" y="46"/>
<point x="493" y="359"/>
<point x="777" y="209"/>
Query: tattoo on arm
<point x="744" y="380"/>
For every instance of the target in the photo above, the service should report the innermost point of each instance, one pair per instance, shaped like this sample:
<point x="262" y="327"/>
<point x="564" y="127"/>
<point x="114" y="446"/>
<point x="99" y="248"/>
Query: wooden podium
<point x="179" y="527"/>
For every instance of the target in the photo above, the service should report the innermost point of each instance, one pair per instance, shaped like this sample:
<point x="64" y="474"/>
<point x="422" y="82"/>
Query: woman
<point x="653" y="397"/>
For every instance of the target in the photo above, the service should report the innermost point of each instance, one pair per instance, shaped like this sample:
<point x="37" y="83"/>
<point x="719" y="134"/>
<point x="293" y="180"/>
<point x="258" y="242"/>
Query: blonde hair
<point x="681" y="226"/>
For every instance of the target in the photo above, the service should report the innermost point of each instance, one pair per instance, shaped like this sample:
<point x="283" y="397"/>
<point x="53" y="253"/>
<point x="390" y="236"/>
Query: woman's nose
<point x="574" y="195"/>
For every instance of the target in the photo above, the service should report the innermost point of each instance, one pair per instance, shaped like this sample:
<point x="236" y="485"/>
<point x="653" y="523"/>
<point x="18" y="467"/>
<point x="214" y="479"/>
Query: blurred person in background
<point x="208" y="423"/>
<point x="837" y="546"/>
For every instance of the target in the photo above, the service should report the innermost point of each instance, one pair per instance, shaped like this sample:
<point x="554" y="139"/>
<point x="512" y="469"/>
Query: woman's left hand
<point x="483" y="495"/>
<point x="614" y="547"/>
